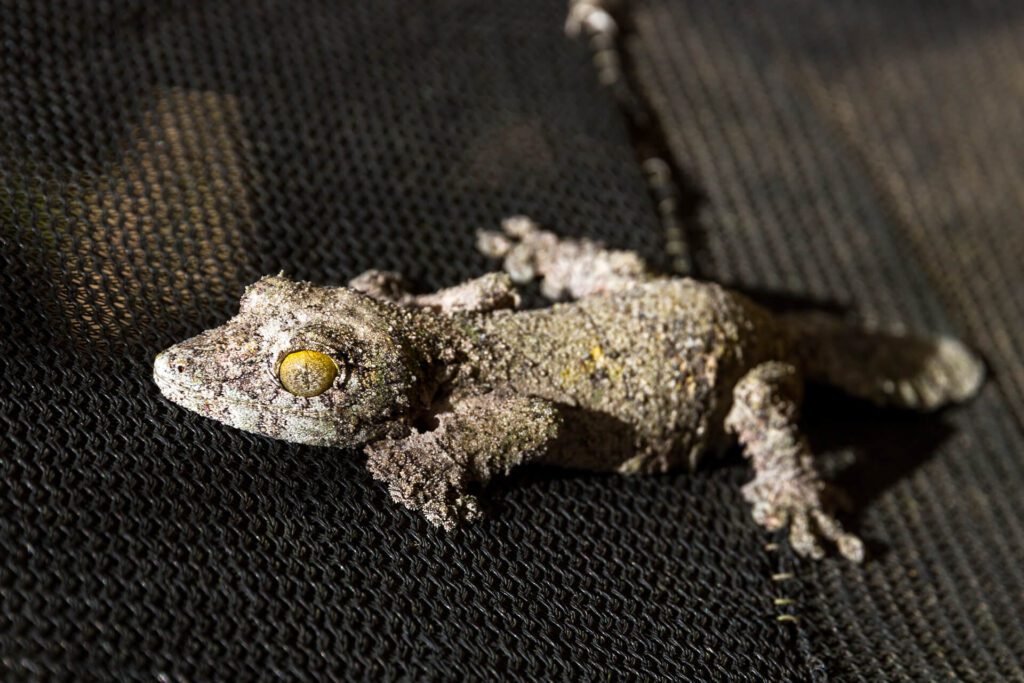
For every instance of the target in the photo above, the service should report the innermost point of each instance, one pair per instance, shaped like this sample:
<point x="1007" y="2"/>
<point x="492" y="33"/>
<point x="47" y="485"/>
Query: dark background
<point x="156" y="157"/>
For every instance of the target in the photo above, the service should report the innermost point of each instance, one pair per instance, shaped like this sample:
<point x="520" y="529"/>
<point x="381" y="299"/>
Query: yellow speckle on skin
<point x="586" y="367"/>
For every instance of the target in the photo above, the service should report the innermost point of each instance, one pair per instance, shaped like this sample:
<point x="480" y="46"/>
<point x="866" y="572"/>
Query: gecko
<point x="626" y="371"/>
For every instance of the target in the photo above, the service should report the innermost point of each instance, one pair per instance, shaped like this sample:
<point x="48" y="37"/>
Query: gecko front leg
<point x="479" y="438"/>
<point x="786" y="488"/>
<point x="490" y="292"/>
<point x="570" y="269"/>
<point x="385" y="285"/>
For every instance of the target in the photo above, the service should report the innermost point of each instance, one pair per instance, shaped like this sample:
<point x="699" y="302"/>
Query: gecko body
<point x="628" y="373"/>
<point x="645" y="376"/>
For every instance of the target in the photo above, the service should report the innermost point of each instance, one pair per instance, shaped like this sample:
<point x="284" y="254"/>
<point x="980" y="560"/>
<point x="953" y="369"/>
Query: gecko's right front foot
<point x="519" y="243"/>
<point x="569" y="268"/>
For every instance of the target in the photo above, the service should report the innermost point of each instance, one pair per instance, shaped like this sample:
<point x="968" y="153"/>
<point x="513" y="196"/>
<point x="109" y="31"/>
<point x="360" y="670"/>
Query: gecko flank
<point x="628" y="373"/>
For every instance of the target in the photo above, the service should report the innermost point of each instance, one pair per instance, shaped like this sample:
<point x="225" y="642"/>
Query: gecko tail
<point x="920" y="373"/>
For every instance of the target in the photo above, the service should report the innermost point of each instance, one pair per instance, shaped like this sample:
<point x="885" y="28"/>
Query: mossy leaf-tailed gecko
<point x="628" y="372"/>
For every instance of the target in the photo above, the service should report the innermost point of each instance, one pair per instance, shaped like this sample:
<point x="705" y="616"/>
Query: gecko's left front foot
<point x="421" y="476"/>
<point x="461" y="509"/>
<point x="477" y="438"/>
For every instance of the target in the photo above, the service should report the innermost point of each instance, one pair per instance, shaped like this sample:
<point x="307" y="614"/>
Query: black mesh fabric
<point x="868" y="154"/>
<point x="156" y="157"/>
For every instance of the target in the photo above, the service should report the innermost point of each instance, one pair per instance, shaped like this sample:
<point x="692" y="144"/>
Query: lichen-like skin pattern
<point x="627" y="373"/>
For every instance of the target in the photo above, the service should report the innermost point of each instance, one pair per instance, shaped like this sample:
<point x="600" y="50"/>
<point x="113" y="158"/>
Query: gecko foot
<point x="568" y="268"/>
<point x="805" y="507"/>
<point x="381" y="284"/>
<point x="519" y="242"/>
<point x="463" y="509"/>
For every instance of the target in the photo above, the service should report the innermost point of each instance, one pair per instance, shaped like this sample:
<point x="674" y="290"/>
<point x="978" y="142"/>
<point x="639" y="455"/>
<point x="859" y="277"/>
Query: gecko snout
<point x="171" y="372"/>
<point x="168" y="364"/>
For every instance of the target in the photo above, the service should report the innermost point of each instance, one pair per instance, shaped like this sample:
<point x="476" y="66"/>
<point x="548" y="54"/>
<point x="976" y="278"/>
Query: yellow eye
<point x="307" y="373"/>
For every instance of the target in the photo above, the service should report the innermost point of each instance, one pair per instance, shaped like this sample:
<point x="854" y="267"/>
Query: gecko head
<point x="326" y="366"/>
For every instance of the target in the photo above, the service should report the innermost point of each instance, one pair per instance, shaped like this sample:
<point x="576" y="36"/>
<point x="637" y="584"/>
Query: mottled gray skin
<point x="635" y="374"/>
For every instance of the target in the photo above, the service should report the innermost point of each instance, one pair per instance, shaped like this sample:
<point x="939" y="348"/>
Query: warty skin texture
<point x="647" y="373"/>
<point x="632" y="374"/>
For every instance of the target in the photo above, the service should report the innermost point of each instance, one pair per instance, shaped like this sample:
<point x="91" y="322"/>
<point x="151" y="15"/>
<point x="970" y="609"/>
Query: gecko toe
<point x="850" y="547"/>
<point x="810" y="523"/>
<point x="802" y="536"/>
<point x="467" y="508"/>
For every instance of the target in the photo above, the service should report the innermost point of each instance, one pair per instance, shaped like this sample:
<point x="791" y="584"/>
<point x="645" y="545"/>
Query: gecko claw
<point x="450" y="515"/>
<point x="803" y="509"/>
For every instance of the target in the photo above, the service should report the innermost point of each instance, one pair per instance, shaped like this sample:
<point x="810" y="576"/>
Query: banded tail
<point x="921" y="373"/>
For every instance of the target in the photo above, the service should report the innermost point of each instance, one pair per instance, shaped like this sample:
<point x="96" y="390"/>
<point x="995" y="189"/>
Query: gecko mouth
<point x="206" y="397"/>
<point x="211" y="399"/>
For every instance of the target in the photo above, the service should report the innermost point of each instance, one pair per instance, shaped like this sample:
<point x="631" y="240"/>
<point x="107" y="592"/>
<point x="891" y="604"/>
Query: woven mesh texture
<point x="870" y="154"/>
<point x="155" y="158"/>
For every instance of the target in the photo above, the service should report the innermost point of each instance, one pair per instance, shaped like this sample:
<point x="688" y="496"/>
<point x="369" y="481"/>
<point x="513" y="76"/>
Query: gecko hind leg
<point x="569" y="268"/>
<point x="786" y="488"/>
